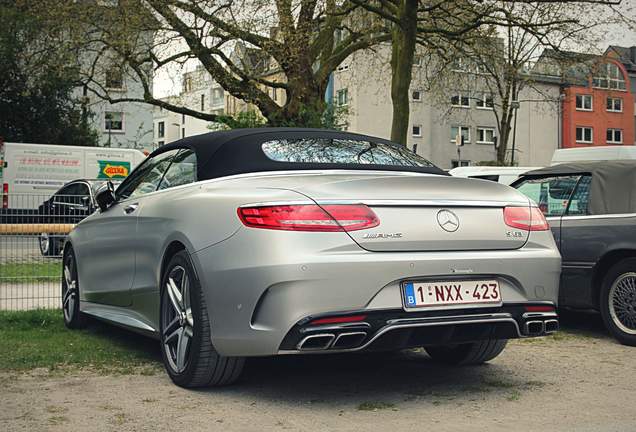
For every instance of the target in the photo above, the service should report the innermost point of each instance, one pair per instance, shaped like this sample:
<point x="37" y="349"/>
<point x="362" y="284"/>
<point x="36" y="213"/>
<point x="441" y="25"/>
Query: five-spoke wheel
<point x="179" y="329"/>
<point x="73" y="318"/>
<point x="187" y="350"/>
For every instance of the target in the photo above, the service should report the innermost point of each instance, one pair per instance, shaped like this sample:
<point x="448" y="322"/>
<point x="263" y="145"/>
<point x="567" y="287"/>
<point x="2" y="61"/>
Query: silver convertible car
<point x="267" y="242"/>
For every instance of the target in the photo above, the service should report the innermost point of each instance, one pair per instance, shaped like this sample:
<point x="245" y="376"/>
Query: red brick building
<point x="598" y="109"/>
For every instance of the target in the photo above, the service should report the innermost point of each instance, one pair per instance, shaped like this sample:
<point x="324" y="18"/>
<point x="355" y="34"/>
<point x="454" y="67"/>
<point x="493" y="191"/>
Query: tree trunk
<point x="402" y="53"/>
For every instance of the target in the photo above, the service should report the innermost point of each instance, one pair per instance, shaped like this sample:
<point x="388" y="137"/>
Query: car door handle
<point x="130" y="208"/>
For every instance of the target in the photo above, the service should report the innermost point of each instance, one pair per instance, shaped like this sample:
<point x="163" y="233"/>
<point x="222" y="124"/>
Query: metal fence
<point x="32" y="234"/>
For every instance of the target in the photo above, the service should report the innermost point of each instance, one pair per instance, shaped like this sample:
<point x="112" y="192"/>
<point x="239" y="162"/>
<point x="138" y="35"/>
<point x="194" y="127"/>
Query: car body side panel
<point x="584" y="241"/>
<point x="104" y="245"/>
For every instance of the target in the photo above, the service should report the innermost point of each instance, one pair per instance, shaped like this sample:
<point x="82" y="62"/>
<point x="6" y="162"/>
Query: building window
<point x="462" y="163"/>
<point x="416" y="130"/>
<point x="114" y="78"/>
<point x="415" y="148"/>
<point x="584" y="102"/>
<point x="161" y="129"/>
<point x="343" y="68"/>
<point x="460" y="100"/>
<point x="485" y="135"/>
<point x="485" y="101"/>
<point x="609" y="76"/>
<point x="614" y="136"/>
<point x="182" y="132"/>
<point x="160" y="143"/>
<point x="584" y="135"/>
<point x="274" y="94"/>
<point x="182" y="118"/>
<point x="342" y="97"/>
<point x="187" y="84"/>
<point x="202" y="102"/>
<point x="614" y="104"/>
<point x="455" y="130"/>
<point x="416" y="95"/>
<point x="114" y="121"/>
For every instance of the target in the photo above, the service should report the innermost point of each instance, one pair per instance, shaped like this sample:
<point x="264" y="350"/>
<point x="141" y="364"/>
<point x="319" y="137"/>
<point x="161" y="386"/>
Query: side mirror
<point x="106" y="197"/>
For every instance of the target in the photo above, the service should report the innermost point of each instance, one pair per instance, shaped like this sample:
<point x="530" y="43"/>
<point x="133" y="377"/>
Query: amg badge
<point x="382" y="235"/>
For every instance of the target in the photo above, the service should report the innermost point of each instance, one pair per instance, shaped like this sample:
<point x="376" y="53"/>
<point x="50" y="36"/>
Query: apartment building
<point x="362" y="85"/>
<point x="597" y="98"/>
<point x="121" y="124"/>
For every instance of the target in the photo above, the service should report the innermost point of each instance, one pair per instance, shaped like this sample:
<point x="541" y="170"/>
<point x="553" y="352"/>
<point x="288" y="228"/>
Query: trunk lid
<point x="425" y="212"/>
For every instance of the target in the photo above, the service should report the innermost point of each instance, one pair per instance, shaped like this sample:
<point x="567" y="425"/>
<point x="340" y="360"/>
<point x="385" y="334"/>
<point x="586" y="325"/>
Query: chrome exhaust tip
<point x="349" y="340"/>
<point x="535" y="328"/>
<point x="316" y="342"/>
<point x="551" y="326"/>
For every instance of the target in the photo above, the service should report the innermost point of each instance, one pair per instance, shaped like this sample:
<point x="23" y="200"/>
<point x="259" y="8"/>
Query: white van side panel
<point x="41" y="169"/>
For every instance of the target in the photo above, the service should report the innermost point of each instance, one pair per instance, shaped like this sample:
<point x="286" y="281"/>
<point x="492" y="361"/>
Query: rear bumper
<point x="396" y="329"/>
<point x="259" y="285"/>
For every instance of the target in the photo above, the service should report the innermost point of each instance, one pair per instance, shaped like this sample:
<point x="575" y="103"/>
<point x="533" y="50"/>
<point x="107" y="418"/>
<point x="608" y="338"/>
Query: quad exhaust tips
<point x="551" y="326"/>
<point x="316" y="342"/>
<point x="324" y="341"/>
<point x="535" y="328"/>
<point x="538" y="328"/>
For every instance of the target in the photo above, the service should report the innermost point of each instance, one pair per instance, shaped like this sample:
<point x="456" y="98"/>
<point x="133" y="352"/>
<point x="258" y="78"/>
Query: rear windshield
<point x="341" y="151"/>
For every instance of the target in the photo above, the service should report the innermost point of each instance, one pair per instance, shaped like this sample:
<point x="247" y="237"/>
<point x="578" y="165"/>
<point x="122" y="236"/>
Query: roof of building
<point x="611" y="190"/>
<point x="626" y="55"/>
<point x="239" y="151"/>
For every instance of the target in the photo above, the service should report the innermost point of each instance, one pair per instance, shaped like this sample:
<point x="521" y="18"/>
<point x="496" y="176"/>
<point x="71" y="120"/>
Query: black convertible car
<point x="591" y="208"/>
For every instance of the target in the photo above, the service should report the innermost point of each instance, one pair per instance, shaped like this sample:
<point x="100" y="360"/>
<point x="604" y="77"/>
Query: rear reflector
<point x="525" y="218"/>
<point x="339" y="320"/>
<point x="309" y="217"/>
<point x="540" y="309"/>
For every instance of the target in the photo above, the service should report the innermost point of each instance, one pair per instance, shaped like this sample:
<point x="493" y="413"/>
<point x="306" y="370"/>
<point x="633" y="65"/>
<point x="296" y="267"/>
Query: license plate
<point x="449" y="293"/>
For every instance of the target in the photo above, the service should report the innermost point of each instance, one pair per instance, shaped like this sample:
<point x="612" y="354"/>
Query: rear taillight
<point x="5" y="195"/>
<point x="525" y="218"/>
<point x="309" y="217"/>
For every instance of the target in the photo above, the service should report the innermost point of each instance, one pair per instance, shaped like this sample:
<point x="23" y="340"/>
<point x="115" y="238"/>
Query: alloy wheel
<point x="44" y="243"/>
<point x="177" y="315"/>
<point x="69" y="289"/>
<point x="622" y="303"/>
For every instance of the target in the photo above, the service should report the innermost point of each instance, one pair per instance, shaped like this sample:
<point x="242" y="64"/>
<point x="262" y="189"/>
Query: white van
<point x="593" y="153"/>
<point x="38" y="170"/>
<point x="504" y="175"/>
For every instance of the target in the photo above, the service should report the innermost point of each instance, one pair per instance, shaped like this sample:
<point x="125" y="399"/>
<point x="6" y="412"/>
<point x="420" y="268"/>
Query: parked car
<point x="591" y="208"/>
<point x="503" y="175"/>
<point x="593" y="153"/>
<point x="263" y="242"/>
<point x="68" y="206"/>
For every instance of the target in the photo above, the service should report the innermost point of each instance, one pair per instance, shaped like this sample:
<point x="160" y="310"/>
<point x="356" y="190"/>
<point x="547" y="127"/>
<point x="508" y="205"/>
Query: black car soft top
<point x="239" y="151"/>
<point x="613" y="185"/>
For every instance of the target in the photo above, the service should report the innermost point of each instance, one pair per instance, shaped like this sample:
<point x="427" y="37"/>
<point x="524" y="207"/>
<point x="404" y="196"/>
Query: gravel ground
<point x="580" y="380"/>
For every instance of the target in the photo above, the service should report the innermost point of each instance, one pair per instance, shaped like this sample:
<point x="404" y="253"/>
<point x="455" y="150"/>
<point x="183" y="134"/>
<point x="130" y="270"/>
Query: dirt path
<point x="582" y="381"/>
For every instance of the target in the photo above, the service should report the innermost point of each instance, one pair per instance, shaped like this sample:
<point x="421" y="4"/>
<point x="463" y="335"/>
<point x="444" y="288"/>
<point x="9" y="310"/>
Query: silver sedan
<point x="298" y="241"/>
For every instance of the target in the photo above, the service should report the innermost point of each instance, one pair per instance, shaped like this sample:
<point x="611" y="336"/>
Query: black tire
<point x="49" y="244"/>
<point x="467" y="354"/>
<point x="200" y="365"/>
<point x="618" y="301"/>
<point x="73" y="318"/>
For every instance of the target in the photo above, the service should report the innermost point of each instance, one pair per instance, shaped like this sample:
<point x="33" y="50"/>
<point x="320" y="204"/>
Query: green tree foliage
<point x="37" y="84"/>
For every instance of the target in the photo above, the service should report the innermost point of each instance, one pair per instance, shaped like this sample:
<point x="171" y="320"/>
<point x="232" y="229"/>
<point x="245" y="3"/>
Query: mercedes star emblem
<point x="448" y="220"/>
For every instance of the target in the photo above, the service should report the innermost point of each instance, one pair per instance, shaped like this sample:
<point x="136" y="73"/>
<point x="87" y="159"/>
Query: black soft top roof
<point x="239" y="151"/>
<point x="613" y="185"/>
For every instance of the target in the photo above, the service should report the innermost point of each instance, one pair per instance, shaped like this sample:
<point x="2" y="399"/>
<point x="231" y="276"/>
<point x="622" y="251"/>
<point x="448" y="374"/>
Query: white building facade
<point x="362" y="83"/>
